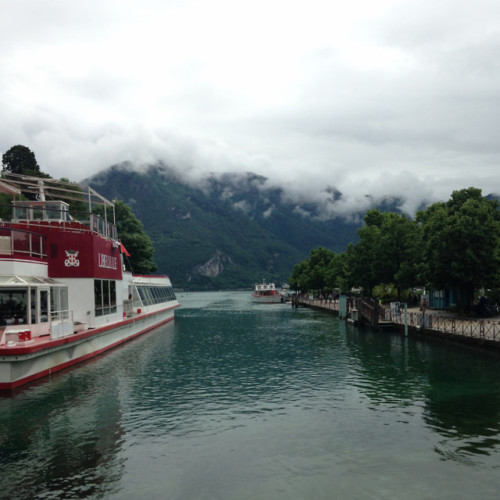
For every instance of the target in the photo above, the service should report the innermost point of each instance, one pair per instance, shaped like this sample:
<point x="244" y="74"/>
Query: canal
<point x="245" y="401"/>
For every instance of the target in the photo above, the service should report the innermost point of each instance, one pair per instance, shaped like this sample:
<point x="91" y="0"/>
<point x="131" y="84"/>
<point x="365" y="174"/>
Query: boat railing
<point x="58" y="213"/>
<point x="103" y="227"/>
<point x="18" y="241"/>
<point x="62" y="316"/>
<point x="105" y="310"/>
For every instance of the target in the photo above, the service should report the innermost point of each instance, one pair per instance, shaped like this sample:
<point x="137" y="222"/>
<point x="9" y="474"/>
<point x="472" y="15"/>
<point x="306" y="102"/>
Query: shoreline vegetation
<point x="451" y="249"/>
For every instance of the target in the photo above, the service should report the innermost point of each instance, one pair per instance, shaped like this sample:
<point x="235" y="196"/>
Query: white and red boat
<point x="64" y="293"/>
<point x="266" y="293"/>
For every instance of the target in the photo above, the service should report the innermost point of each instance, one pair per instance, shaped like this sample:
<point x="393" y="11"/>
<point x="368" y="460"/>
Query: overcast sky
<point x="379" y="97"/>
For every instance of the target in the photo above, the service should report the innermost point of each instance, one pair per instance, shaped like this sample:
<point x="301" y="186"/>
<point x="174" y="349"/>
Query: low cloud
<point x="338" y="104"/>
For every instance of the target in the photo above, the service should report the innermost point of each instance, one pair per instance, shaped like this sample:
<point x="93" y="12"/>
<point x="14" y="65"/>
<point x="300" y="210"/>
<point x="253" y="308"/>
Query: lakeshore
<point x="483" y="332"/>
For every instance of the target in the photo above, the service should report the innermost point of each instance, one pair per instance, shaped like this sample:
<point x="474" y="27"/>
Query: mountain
<point x="228" y="232"/>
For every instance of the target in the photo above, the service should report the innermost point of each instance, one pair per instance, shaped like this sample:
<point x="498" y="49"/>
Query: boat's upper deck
<point x="57" y="214"/>
<point x="24" y="235"/>
<point x="77" y="238"/>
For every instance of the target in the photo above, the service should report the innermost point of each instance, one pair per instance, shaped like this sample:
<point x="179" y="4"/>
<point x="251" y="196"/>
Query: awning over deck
<point x="8" y="188"/>
<point x="26" y="280"/>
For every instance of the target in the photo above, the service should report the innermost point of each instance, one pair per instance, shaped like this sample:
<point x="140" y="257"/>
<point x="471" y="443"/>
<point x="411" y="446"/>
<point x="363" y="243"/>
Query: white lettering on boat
<point x="107" y="261"/>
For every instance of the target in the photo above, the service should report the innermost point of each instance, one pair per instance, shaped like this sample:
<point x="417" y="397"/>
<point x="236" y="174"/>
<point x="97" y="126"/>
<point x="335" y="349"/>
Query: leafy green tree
<point x="336" y="274"/>
<point x="454" y="245"/>
<point x="135" y="240"/>
<point x="299" y="279"/>
<point x="322" y="271"/>
<point x="398" y="251"/>
<point x="387" y="252"/>
<point x="5" y="206"/>
<point x="319" y="261"/>
<point x="363" y="270"/>
<point x="461" y="243"/>
<point x="21" y="160"/>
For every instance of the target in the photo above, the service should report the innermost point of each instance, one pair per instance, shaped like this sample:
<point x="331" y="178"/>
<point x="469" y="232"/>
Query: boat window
<point x="134" y="295"/>
<point x="20" y="212"/>
<point x="44" y="306"/>
<point x="149" y="295"/>
<point x="13" y="306"/>
<point x="56" y="210"/>
<point x="33" y="305"/>
<point x="5" y="242"/>
<point x="40" y="210"/>
<point x="104" y="297"/>
<point x="155" y="294"/>
<point x="38" y="213"/>
<point x="142" y="295"/>
<point x="21" y="242"/>
<point x="98" y="297"/>
<point x="37" y="245"/>
<point x="112" y="294"/>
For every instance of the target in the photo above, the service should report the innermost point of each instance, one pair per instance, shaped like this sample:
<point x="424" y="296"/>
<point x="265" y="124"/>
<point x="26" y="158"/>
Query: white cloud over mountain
<point x="381" y="98"/>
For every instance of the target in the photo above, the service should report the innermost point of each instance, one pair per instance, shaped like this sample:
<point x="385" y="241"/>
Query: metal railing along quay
<point x="477" y="330"/>
<point x="480" y="329"/>
<point x="326" y="304"/>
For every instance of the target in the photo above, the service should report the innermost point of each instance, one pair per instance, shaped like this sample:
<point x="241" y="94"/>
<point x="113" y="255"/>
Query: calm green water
<point x="244" y="401"/>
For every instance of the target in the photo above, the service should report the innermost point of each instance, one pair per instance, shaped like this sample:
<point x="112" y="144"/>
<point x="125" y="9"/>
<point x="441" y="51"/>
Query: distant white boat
<point x="266" y="293"/>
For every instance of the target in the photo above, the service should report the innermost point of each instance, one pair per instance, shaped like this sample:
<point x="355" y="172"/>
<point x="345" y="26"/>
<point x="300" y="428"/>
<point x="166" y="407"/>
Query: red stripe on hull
<point x="8" y="386"/>
<point x="76" y="337"/>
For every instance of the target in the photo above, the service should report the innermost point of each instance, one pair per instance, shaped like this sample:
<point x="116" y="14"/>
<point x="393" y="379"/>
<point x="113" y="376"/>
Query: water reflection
<point x="61" y="438"/>
<point x="463" y="401"/>
<point x="458" y="389"/>
<point x="390" y="368"/>
<point x="282" y="398"/>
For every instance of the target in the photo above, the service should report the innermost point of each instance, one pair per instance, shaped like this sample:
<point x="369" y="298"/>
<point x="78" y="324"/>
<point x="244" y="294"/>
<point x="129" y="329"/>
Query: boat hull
<point x="269" y="299"/>
<point x="22" y="364"/>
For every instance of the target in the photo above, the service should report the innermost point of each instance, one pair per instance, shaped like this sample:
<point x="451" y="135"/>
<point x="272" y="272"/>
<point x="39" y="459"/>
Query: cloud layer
<point x="379" y="98"/>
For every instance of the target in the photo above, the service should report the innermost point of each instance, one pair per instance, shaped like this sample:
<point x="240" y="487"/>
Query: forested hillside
<point x="229" y="234"/>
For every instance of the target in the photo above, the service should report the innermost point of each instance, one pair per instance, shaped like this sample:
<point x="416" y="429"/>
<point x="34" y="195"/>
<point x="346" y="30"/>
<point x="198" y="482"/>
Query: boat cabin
<point x="49" y="259"/>
<point x="28" y="211"/>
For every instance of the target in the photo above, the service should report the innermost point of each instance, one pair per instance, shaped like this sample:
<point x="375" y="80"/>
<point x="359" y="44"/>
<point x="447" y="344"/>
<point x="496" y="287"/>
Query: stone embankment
<point x="478" y="331"/>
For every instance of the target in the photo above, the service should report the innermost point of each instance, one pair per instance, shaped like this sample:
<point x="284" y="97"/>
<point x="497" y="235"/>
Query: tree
<point x="336" y="275"/>
<point x="319" y="260"/>
<point x="298" y="279"/>
<point x="461" y="243"/>
<point x="398" y="251"/>
<point x="361" y="257"/>
<point x="387" y="252"/>
<point x="20" y="160"/>
<point x="135" y="240"/>
<point x="313" y="273"/>
<point x="453" y="245"/>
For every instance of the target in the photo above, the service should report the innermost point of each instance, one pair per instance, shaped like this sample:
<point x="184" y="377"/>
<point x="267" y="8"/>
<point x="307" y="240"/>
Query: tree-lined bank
<point x="451" y="245"/>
